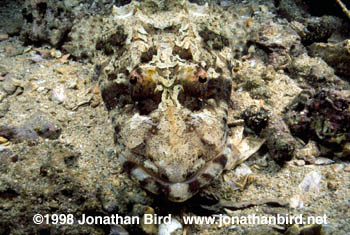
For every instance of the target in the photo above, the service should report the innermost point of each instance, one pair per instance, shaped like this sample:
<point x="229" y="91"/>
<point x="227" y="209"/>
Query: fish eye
<point x="202" y="75"/>
<point x="202" y="79"/>
<point x="133" y="80"/>
<point x="134" y="76"/>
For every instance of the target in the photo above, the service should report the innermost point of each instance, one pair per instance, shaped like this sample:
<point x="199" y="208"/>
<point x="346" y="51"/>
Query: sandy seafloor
<point x="60" y="157"/>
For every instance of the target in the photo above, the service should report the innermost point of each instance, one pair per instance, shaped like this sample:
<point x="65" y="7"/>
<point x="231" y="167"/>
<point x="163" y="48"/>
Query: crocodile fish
<point x="166" y="82"/>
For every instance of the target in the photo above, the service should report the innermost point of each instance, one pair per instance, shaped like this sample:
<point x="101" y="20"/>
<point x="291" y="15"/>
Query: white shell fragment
<point x="169" y="228"/>
<point x="323" y="161"/>
<point x="237" y="135"/>
<point x="123" y="11"/>
<point x="243" y="170"/>
<point x="296" y="202"/>
<point x="58" y="95"/>
<point x="248" y="147"/>
<point x="311" y="182"/>
<point x="196" y="9"/>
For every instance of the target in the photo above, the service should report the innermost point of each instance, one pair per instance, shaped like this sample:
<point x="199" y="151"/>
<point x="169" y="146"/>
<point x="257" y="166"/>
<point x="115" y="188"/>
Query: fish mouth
<point x="178" y="191"/>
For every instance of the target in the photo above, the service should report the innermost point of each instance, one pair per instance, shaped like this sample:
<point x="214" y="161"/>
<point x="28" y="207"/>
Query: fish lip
<point x="173" y="190"/>
<point x="194" y="175"/>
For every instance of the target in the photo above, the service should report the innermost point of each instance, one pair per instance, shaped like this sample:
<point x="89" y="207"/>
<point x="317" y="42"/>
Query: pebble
<point x="337" y="168"/>
<point x="3" y="36"/>
<point x="3" y="70"/>
<point x="72" y="84"/>
<point x="4" y="108"/>
<point x="309" y="153"/>
<point x="3" y="140"/>
<point x="149" y="228"/>
<point x="8" y="85"/>
<point x="347" y="168"/>
<point x="95" y="102"/>
<point x="55" y="53"/>
<point x="346" y="149"/>
<point x="293" y="230"/>
<point x="332" y="185"/>
<point x="61" y="70"/>
<point x="321" y="229"/>
<point x="36" y="58"/>
<point x="58" y="95"/>
<point x="13" y="50"/>
<point x="299" y="162"/>
<point x="96" y="90"/>
<point x="323" y="161"/>
<point x="64" y="69"/>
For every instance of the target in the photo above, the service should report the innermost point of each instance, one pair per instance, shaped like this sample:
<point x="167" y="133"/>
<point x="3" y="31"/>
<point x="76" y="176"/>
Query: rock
<point x="13" y="50"/>
<point x="255" y="118"/>
<point x="318" y="229"/>
<point x="46" y="20"/>
<point x="346" y="150"/>
<point x="43" y="125"/>
<point x="275" y="36"/>
<point x="332" y="185"/>
<point x="322" y="116"/>
<point x="65" y="23"/>
<point x="311" y="182"/>
<point x="3" y="36"/>
<point x="281" y="144"/>
<point x="8" y="85"/>
<point x="318" y="29"/>
<point x="280" y="42"/>
<point x="309" y="153"/>
<point x="314" y="71"/>
<point x="11" y="17"/>
<point x="38" y="125"/>
<point x="293" y="230"/>
<point x="336" y="55"/>
<point x="310" y="28"/>
<point x="4" y="108"/>
<point x="39" y="180"/>
<point x="16" y="135"/>
<point x="279" y="141"/>
<point x="290" y="10"/>
<point x="82" y="42"/>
